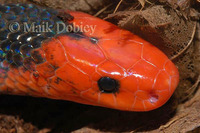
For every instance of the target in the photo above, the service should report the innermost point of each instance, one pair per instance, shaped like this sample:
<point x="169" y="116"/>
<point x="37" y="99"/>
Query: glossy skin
<point x="71" y="68"/>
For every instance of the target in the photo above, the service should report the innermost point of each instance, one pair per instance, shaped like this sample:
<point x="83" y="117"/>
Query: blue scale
<point x="18" y="45"/>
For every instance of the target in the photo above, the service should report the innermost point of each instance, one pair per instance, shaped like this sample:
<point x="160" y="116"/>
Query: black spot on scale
<point x="37" y="41"/>
<point x="37" y="57"/>
<point x="57" y="80"/>
<point x="65" y="16"/>
<point x="17" y="59"/>
<point x="73" y="90"/>
<point x="48" y="86"/>
<point x="29" y="64"/>
<point x="36" y="75"/>
<point x="51" y="57"/>
<point x="13" y="65"/>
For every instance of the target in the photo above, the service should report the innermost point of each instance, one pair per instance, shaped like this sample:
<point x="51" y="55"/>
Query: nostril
<point x="153" y="98"/>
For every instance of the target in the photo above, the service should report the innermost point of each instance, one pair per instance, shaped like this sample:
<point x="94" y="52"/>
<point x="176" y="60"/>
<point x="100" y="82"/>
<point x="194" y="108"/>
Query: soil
<point x="171" y="25"/>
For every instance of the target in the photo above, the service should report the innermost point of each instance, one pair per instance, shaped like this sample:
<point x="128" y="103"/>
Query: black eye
<point x="108" y="85"/>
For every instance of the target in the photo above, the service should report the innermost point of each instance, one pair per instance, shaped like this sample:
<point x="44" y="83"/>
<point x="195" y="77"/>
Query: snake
<point x="74" y="56"/>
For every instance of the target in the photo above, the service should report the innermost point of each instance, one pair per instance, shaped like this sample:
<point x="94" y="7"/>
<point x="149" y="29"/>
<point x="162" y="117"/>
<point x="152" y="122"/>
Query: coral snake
<point x="74" y="56"/>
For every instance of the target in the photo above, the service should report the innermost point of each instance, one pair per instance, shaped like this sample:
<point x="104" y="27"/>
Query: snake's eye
<point x="108" y="85"/>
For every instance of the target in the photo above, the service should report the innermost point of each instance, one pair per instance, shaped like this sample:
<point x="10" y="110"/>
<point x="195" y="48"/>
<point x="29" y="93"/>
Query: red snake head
<point x="114" y="68"/>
